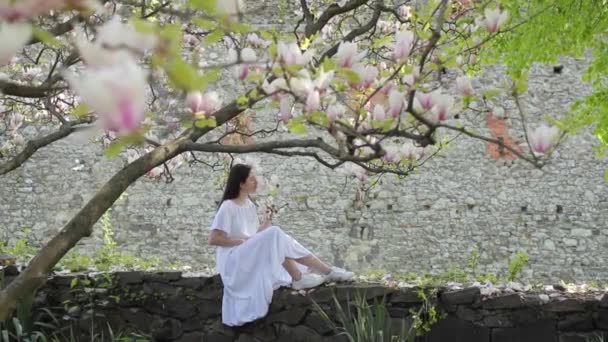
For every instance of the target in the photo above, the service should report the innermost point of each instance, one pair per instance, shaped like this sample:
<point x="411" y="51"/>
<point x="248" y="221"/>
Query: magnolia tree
<point x="362" y="86"/>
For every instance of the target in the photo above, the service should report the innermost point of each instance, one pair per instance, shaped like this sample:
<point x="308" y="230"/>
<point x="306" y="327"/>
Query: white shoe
<point x="308" y="280"/>
<point x="339" y="274"/>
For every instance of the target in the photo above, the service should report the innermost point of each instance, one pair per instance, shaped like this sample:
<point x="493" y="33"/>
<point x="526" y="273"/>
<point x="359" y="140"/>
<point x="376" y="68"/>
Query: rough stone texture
<point x="424" y="223"/>
<point x="175" y="312"/>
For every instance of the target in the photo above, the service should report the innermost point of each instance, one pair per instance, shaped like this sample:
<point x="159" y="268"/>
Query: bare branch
<point x="331" y="11"/>
<point x="356" y="32"/>
<point x="33" y="145"/>
<point x="498" y="142"/>
<point x="14" y="89"/>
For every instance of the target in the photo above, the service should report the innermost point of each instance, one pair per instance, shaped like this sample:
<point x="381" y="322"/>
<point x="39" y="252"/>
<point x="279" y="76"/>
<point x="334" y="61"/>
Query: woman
<point x="255" y="259"/>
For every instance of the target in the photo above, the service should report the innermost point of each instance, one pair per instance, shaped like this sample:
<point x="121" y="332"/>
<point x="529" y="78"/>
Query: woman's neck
<point x="241" y="198"/>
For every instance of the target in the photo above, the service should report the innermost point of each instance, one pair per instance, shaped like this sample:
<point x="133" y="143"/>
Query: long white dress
<point x="252" y="270"/>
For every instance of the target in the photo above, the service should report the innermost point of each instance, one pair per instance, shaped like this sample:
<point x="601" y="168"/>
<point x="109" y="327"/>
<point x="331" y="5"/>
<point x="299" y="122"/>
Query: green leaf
<point x="213" y="37"/>
<point x="114" y="149"/>
<point x="184" y="75"/>
<point x="319" y="118"/>
<point x="521" y="85"/>
<point x="266" y="35"/>
<point x="242" y="101"/>
<point x="382" y="41"/>
<point x="240" y="27"/>
<point x="490" y="93"/>
<point x="296" y="126"/>
<point x="350" y="75"/>
<point x="143" y="26"/>
<point x="81" y="110"/>
<point x="206" y="122"/>
<point x="45" y="37"/>
<point x="74" y="282"/>
<point x="205" y="23"/>
<point x="205" y="5"/>
<point x="328" y="64"/>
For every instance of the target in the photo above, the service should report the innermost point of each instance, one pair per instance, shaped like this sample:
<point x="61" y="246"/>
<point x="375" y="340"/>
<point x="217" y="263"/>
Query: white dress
<point x="252" y="270"/>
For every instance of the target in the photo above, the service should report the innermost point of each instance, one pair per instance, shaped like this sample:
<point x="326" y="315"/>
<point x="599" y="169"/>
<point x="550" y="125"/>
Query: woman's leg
<point x="292" y="268"/>
<point x="314" y="264"/>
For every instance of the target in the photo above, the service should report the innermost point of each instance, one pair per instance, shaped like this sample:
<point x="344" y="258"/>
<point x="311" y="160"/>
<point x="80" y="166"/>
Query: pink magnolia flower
<point x="494" y="19"/>
<point x="256" y="41"/>
<point x="203" y="104"/>
<point x="543" y="138"/>
<point x="464" y="87"/>
<point x="335" y="111"/>
<point x="322" y="81"/>
<point x="116" y="34"/>
<point x="367" y="75"/>
<point x="410" y="79"/>
<point x="404" y="43"/>
<point x="392" y="154"/>
<point x="13" y="38"/>
<point x="290" y="53"/>
<point x="247" y="57"/>
<point x="16" y="10"/>
<point x="313" y="101"/>
<point x="411" y="152"/>
<point x="395" y="103"/>
<point x="379" y="113"/>
<point x="275" y="86"/>
<point x="116" y="93"/>
<point x="350" y="169"/>
<point x="347" y="55"/>
<point x="425" y="100"/>
<point x="285" y="109"/>
<point x="194" y="100"/>
<point x="442" y="107"/>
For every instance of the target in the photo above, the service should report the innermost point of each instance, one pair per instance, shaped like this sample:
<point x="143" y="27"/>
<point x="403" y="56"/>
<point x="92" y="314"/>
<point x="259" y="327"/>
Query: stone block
<point x="466" y="296"/>
<point x="453" y="329"/>
<point x="542" y="331"/>
<point x="509" y="301"/>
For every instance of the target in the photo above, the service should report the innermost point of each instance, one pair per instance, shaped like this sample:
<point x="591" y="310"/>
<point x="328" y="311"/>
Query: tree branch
<point x="330" y="12"/>
<point x="14" y="89"/>
<point x="33" y="145"/>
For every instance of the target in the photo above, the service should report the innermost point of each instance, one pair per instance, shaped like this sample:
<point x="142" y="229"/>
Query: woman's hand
<point x="267" y="220"/>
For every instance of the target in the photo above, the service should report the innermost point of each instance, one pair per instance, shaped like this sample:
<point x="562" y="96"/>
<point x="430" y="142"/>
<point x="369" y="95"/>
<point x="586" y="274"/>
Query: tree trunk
<point x="81" y="225"/>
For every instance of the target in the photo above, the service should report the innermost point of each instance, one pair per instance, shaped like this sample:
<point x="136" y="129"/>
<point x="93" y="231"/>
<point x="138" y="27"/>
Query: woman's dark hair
<point x="238" y="175"/>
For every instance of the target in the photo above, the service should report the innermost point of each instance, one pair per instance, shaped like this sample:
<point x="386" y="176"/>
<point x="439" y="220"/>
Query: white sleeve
<point x="222" y="220"/>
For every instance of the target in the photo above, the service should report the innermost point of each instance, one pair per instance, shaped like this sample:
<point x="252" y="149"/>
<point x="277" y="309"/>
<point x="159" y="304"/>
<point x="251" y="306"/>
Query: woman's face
<point x="251" y="183"/>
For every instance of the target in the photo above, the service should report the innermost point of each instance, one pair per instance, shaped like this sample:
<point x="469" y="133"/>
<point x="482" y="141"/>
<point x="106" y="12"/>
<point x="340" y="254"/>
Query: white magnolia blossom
<point x="404" y="43"/>
<point x="347" y="55"/>
<point x="464" y="86"/>
<point x="116" y="93"/>
<point x="335" y="111"/>
<point x="493" y="19"/>
<point x="396" y="100"/>
<point x="543" y="138"/>
<point x="290" y="53"/>
<point x="13" y="37"/>
<point x="379" y="113"/>
<point x="203" y="104"/>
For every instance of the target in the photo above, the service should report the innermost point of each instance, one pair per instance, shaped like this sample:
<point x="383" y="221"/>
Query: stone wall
<point x="173" y="307"/>
<point x="464" y="200"/>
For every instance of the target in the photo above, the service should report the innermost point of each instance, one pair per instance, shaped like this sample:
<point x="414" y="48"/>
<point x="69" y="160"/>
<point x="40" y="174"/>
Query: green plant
<point x="516" y="265"/>
<point x="21" y="249"/>
<point x="595" y="338"/>
<point x="427" y="315"/>
<point x="365" y="322"/>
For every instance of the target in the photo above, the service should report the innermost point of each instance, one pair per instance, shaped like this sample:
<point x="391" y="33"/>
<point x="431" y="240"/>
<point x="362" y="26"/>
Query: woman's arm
<point x="221" y="239"/>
